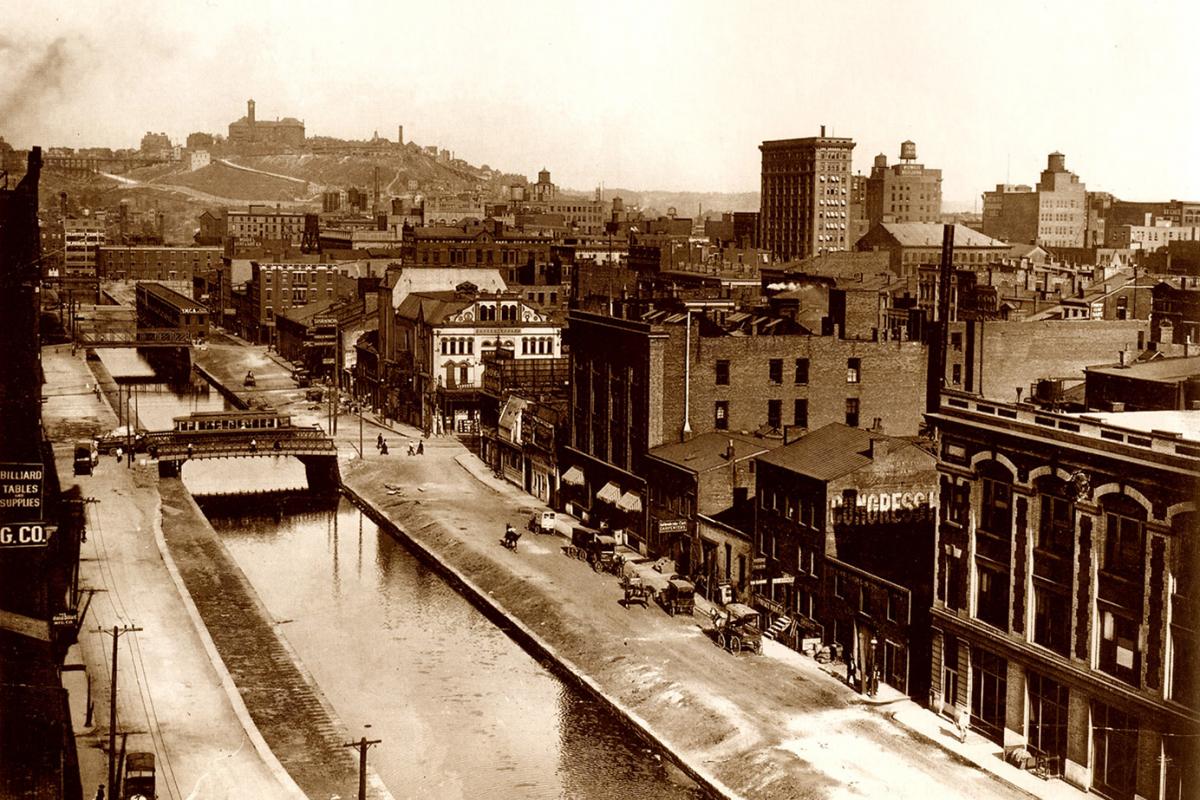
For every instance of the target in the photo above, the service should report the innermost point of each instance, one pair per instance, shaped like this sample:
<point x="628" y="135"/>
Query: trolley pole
<point x="362" y="745"/>
<point x="112" y="709"/>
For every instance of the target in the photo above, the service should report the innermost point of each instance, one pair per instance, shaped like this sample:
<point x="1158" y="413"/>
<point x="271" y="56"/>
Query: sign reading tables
<point x="21" y="491"/>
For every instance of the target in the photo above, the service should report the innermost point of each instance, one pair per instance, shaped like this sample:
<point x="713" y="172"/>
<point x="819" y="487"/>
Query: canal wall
<point x="456" y="574"/>
<point x="286" y="715"/>
<point x="233" y="397"/>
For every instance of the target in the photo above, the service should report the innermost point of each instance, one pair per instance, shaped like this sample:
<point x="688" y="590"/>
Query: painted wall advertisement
<point x="871" y="508"/>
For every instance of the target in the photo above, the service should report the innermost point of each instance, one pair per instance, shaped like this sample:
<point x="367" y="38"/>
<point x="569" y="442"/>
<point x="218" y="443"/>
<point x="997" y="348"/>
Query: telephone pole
<point x="112" y="708"/>
<point x="362" y="745"/>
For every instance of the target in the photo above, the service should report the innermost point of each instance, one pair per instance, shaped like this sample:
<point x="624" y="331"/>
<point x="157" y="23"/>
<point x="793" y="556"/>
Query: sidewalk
<point x="902" y="711"/>
<point x="171" y="699"/>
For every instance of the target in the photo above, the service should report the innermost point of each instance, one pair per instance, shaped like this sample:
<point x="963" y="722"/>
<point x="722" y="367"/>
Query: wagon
<point x="737" y="629"/>
<point x="635" y="591"/>
<point x="678" y="596"/>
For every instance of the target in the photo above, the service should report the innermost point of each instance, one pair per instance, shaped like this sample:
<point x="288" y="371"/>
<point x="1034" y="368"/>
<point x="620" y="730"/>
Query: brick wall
<point x="1019" y="353"/>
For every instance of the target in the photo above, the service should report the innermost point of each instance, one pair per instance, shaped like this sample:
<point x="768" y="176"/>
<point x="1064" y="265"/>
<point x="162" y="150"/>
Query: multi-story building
<point x="152" y="263"/>
<point x="904" y="192"/>
<point x="912" y="245"/>
<point x="1066" y="607"/>
<point x="1054" y="214"/>
<point x="844" y="530"/>
<point x="82" y="239"/>
<point x="273" y="288"/>
<point x="1175" y="312"/>
<point x="1152" y="236"/>
<point x="259" y="223"/>
<point x="727" y="371"/>
<point x="486" y="244"/>
<point x="859" y="223"/>
<point x="805" y="195"/>
<point x="156" y="143"/>
<point x="286" y="132"/>
<point x="1163" y="384"/>
<point x="443" y="340"/>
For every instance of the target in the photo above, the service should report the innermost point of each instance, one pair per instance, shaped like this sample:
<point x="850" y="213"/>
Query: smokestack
<point x="250" y="111"/>
<point x="822" y="131"/>
<point x="400" y="134"/>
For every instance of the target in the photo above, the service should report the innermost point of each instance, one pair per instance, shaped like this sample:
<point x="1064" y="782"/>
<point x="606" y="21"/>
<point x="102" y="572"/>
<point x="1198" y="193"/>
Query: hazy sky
<point x="639" y="95"/>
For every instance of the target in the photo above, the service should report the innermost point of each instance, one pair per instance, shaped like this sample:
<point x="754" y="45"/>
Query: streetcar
<point x="203" y="422"/>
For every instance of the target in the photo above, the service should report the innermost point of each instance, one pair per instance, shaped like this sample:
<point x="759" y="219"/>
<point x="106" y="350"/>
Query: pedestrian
<point x="253" y="445"/>
<point x="379" y="442"/>
<point x="189" y="450"/>
<point x="420" y="448"/>
<point x="120" y="453"/>
<point x="383" y="451"/>
<point x="412" y="449"/>
<point x="961" y="720"/>
<point x="100" y="792"/>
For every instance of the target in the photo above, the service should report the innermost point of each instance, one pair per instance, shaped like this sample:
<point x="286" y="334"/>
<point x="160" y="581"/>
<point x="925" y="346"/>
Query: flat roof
<point x="707" y="451"/>
<point x="1185" y="424"/>
<point x="1160" y="369"/>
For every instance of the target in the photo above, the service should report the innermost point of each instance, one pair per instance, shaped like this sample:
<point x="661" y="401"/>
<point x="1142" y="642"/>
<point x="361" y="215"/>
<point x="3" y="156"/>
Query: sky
<point x="669" y="96"/>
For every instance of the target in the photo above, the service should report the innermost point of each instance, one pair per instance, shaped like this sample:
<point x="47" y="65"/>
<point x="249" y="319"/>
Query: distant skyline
<point x="670" y="96"/>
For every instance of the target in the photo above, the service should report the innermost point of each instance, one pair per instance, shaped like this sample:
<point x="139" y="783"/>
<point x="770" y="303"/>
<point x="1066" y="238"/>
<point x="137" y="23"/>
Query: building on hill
<point x="258" y="223"/>
<point x="1065" y="610"/>
<point x="286" y="132"/>
<point x="844" y="530"/>
<point x="805" y="196"/>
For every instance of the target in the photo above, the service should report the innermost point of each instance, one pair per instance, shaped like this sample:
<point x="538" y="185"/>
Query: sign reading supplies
<point x="21" y="491"/>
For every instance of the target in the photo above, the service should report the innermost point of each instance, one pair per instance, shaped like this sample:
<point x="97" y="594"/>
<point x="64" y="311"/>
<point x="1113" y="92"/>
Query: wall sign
<point x="880" y="507"/>
<point x="21" y="491"/>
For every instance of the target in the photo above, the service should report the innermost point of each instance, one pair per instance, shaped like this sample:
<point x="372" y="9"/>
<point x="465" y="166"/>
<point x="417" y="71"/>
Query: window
<point x="839" y="588"/>
<point x="1119" y="654"/>
<point x="989" y="693"/>
<point x="464" y="374"/>
<point x="1052" y="619"/>
<point x="1123" y="537"/>
<point x="774" y="413"/>
<point x="853" y="370"/>
<point x="958" y="504"/>
<point x="1056" y="524"/>
<point x="775" y="370"/>
<point x="893" y="603"/>
<point x="864" y="600"/>
<point x="996" y="513"/>
<point x="721" y="415"/>
<point x="992" y="596"/>
<point x="956" y="374"/>
<point x="852" y="412"/>
<point x="722" y="372"/>
<point x="1114" y="742"/>
<point x="801" y="370"/>
<point x="800" y="413"/>
<point x="1048" y="701"/>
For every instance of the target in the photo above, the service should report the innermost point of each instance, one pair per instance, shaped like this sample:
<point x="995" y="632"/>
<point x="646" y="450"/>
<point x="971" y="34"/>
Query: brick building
<point x="805" y="195"/>
<point x="486" y="244"/>
<point x="904" y="192"/>
<point x="273" y="288"/>
<point x="912" y="245"/>
<point x="249" y="130"/>
<point x="154" y="263"/>
<point x="1164" y="384"/>
<point x="738" y="372"/>
<point x="1065" y="613"/>
<point x="844" y="529"/>
<point x="1175" y="312"/>
<point x="1054" y="214"/>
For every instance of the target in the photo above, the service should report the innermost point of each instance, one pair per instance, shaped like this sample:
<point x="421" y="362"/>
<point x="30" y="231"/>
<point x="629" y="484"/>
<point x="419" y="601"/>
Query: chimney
<point x="250" y="111"/>
<point x="1122" y="356"/>
<point x="822" y="131"/>
<point x="728" y="456"/>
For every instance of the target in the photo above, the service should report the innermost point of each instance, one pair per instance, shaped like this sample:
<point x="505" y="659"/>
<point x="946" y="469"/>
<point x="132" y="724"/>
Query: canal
<point x="461" y="709"/>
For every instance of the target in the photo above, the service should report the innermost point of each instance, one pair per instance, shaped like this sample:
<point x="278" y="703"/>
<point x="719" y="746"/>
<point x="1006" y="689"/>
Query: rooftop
<point x="929" y="234"/>
<point x="827" y="453"/>
<point x="707" y="451"/>
<point x="1167" y="370"/>
<point x="1184" y="424"/>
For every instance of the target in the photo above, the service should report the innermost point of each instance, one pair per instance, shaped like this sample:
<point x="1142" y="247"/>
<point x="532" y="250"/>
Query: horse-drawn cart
<point x="636" y="591"/>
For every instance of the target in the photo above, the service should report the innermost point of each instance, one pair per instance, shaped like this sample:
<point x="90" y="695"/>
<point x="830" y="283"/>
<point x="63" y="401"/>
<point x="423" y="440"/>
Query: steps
<point x="780" y="625"/>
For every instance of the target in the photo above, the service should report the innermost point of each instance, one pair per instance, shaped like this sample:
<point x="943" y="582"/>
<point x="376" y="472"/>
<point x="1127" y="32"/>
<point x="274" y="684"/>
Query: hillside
<point x="686" y="204"/>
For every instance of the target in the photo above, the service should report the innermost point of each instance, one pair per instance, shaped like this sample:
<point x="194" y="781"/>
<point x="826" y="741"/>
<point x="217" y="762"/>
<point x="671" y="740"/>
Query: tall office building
<point x="904" y="192"/>
<point x="1055" y="214"/>
<point x="805" y="195"/>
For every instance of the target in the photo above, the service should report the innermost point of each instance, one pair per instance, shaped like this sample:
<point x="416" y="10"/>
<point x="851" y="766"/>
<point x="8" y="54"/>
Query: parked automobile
<point x="83" y="458"/>
<point x="543" y="521"/>
<point x="678" y="596"/>
<point x="249" y="380"/>
<point x="737" y="629"/>
<point x="139" y="777"/>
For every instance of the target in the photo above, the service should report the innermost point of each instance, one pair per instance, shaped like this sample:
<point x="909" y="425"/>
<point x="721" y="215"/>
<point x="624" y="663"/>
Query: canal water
<point x="461" y="709"/>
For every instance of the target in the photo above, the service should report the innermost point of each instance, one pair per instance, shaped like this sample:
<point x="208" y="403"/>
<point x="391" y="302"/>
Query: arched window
<point x="445" y="347"/>
<point x="1124" y="536"/>
<point x="1056" y="517"/>
<point x="524" y="346"/>
<point x="470" y="346"/>
<point x="995" y="513"/>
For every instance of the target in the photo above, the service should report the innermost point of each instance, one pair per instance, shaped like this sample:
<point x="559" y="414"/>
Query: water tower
<point x="908" y="151"/>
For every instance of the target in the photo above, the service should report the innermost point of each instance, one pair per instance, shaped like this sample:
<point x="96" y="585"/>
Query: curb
<point x="373" y="779"/>
<point x="523" y="635"/>
<point x="286" y="782"/>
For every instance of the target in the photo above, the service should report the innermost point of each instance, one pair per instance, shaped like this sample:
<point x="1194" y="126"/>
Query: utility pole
<point x="362" y="745"/>
<point x="112" y="709"/>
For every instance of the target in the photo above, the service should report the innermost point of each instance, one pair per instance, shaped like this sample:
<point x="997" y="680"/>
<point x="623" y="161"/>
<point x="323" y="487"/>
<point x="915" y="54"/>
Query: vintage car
<point x="249" y="380"/>
<point x="542" y="521"/>
<point x="139" y="777"/>
<point x="737" y="629"/>
<point x="678" y="596"/>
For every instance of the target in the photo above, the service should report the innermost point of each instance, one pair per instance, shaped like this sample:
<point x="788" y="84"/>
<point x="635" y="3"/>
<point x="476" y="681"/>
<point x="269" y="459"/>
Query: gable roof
<point x="432" y="307"/>
<point x="827" y="453"/>
<point x="707" y="451"/>
<point x="929" y="234"/>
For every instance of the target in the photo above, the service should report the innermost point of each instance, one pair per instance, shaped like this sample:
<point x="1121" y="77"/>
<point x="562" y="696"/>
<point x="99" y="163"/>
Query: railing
<point x="1085" y="425"/>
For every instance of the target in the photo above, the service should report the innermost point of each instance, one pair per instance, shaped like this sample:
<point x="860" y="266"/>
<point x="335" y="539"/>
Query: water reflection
<point x="463" y="712"/>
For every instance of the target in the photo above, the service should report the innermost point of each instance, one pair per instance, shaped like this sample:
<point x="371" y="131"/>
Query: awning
<point x="611" y="493"/>
<point x="630" y="502"/>
<point x="573" y="477"/>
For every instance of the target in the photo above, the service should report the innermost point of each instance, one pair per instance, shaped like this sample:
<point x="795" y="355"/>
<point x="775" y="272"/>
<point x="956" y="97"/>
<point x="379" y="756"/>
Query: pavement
<point x="171" y="699"/>
<point x="778" y="725"/>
